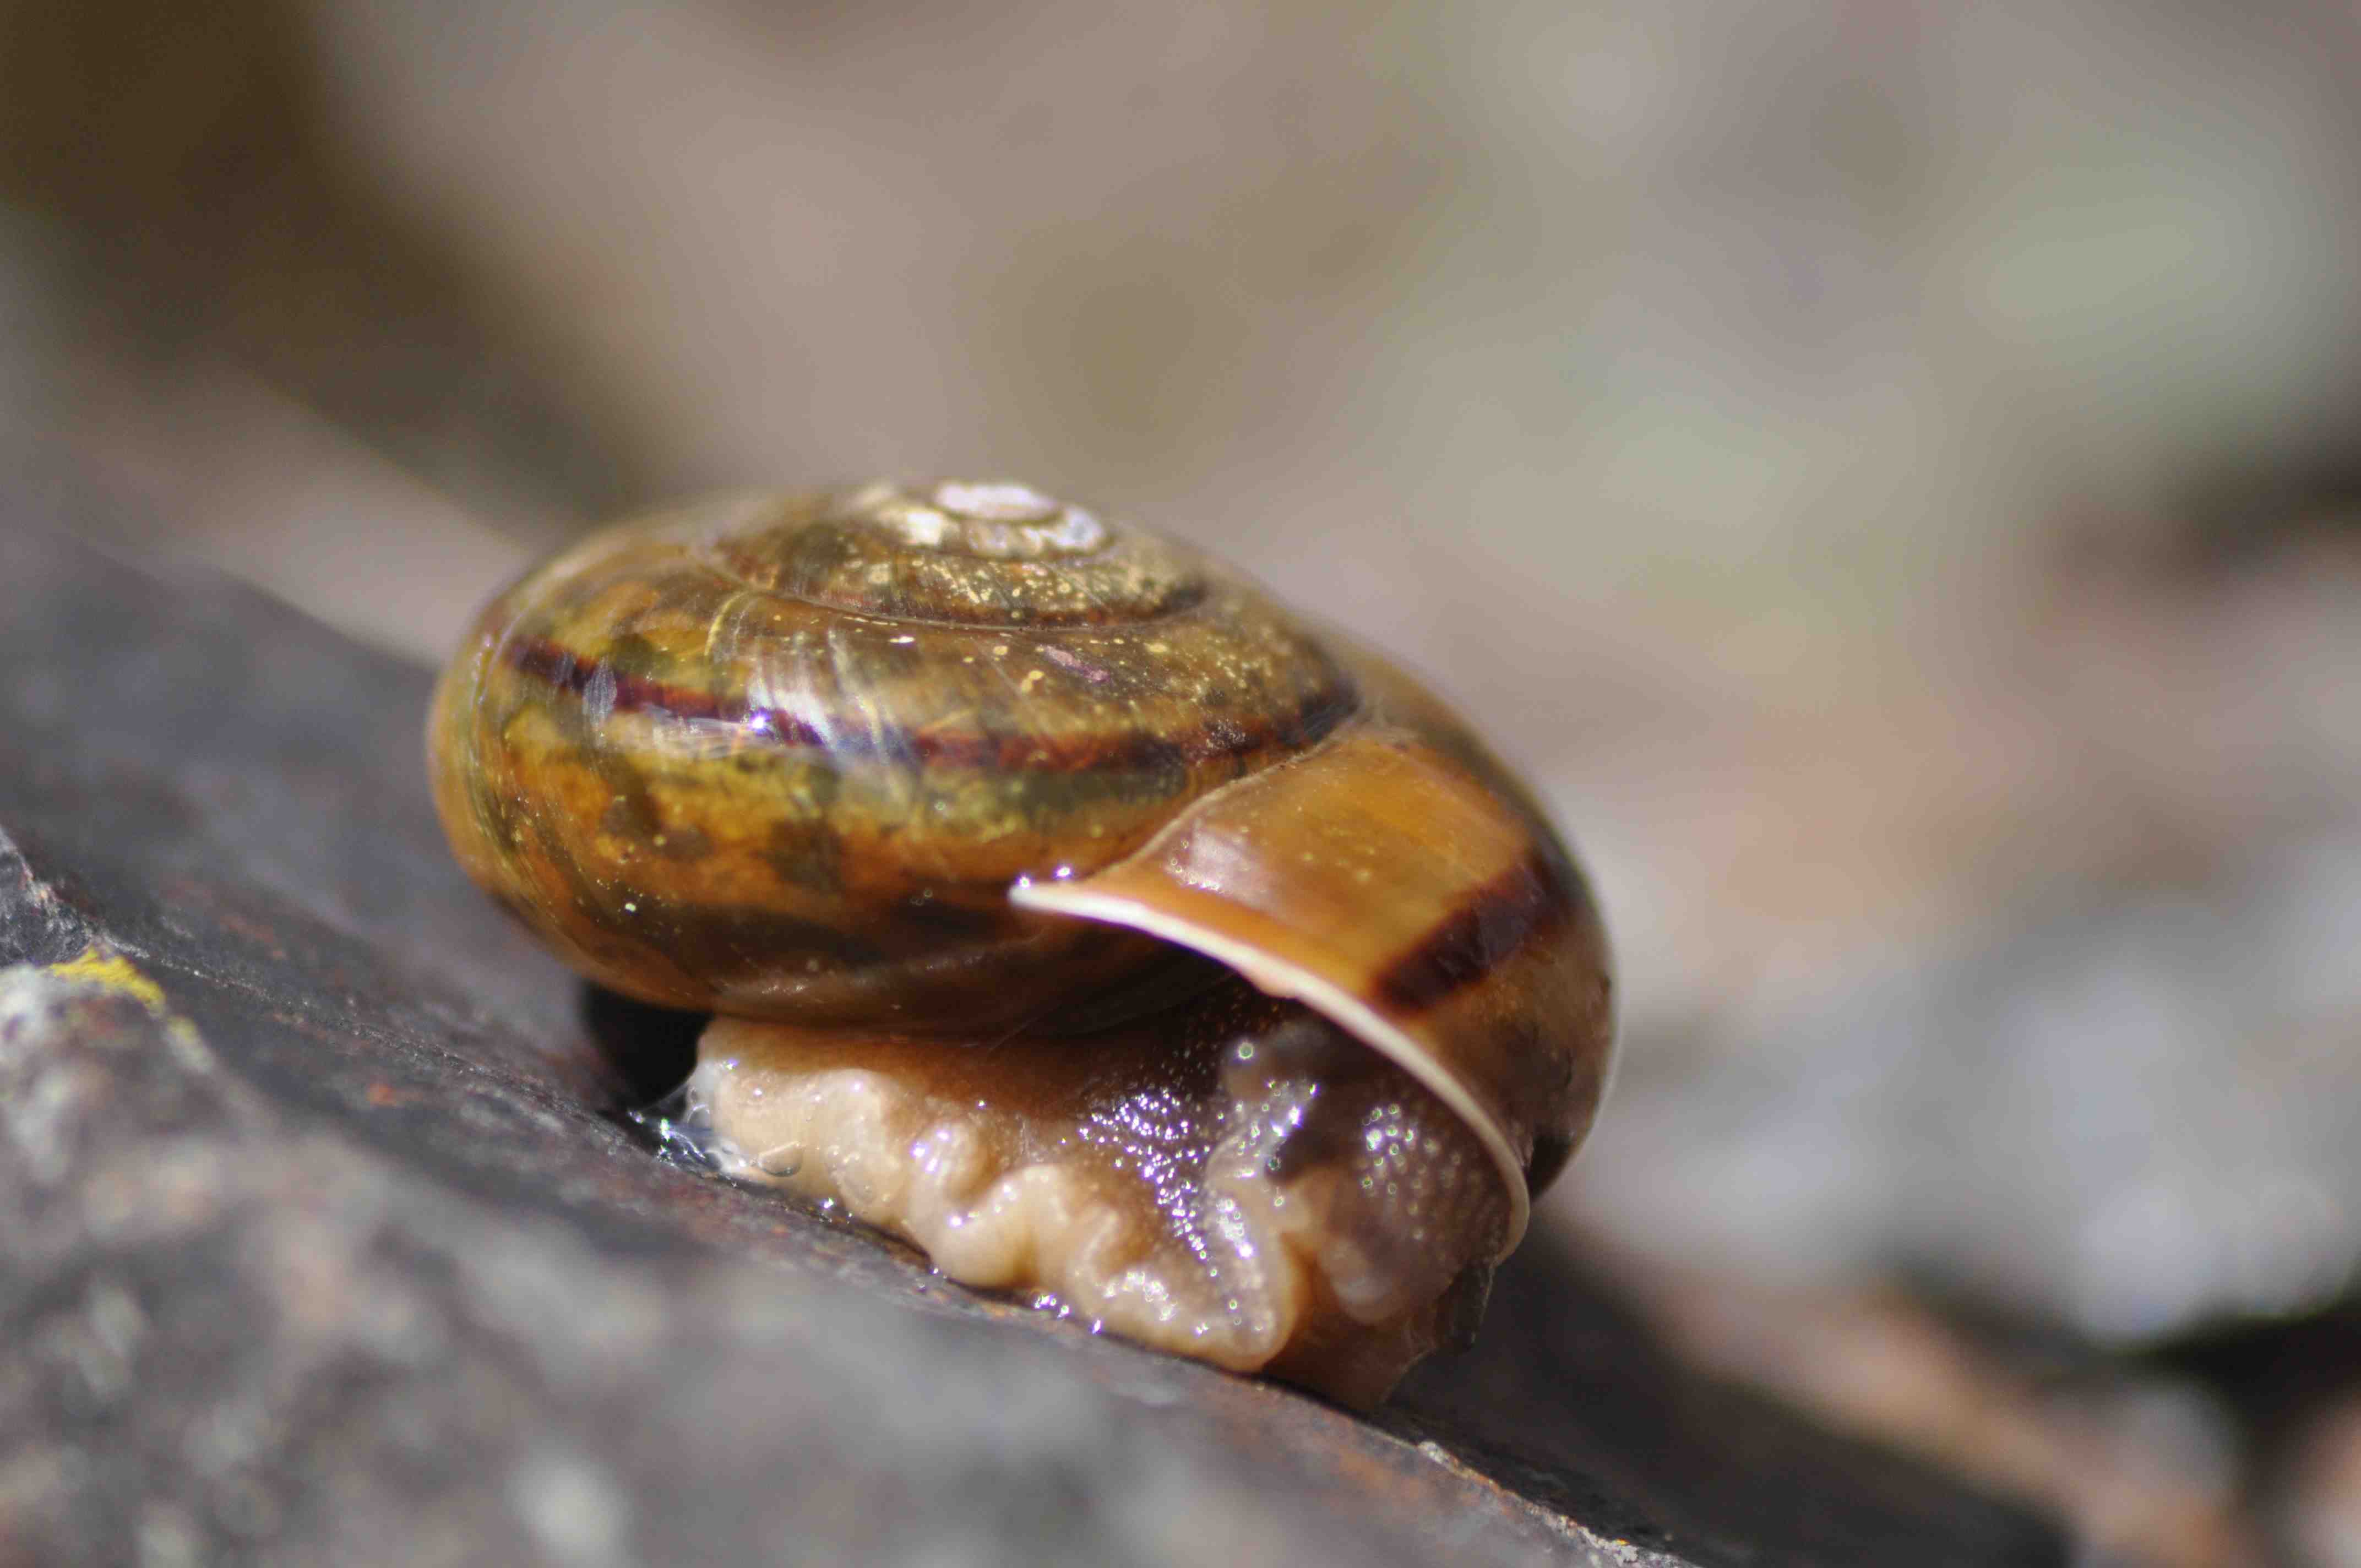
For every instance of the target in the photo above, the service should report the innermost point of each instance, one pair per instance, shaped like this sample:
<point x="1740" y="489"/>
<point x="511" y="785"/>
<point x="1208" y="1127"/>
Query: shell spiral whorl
<point x="999" y="555"/>
<point x="891" y="763"/>
<point x="799" y="751"/>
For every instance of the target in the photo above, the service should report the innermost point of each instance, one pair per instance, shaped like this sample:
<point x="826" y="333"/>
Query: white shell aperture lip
<point x="1275" y="977"/>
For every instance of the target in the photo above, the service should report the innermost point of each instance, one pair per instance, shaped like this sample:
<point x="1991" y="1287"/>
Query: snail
<point x="1067" y="907"/>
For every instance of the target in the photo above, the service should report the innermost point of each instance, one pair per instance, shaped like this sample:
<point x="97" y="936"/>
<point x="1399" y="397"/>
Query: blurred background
<point x="1889" y="471"/>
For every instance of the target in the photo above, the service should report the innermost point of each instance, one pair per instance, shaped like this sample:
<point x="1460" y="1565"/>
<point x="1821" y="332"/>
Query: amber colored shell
<point x="961" y="759"/>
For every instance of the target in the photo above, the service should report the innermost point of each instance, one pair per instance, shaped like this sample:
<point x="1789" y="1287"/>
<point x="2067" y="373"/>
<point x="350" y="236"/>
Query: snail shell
<point x="1071" y="908"/>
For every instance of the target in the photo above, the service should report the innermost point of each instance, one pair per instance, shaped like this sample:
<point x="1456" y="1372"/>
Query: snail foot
<point x="1265" y="1194"/>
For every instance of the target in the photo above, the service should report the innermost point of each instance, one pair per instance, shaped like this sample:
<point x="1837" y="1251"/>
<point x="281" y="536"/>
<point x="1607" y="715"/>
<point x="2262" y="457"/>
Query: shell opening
<point x="1275" y="978"/>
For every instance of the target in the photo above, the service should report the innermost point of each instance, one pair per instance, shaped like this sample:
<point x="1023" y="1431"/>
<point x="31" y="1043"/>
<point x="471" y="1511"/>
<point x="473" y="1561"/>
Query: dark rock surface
<point x="341" y="1252"/>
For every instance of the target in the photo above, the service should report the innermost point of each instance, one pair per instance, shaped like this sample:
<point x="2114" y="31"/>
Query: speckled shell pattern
<point x="961" y="759"/>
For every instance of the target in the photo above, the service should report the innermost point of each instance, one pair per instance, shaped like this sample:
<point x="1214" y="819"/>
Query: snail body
<point x="1069" y="906"/>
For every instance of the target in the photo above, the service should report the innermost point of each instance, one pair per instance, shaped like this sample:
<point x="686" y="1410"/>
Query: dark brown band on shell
<point x="1526" y="904"/>
<point x="585" y="676"/>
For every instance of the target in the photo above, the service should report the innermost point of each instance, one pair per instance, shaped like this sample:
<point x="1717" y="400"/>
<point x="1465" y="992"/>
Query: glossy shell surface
<point x="962" y="761"/>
